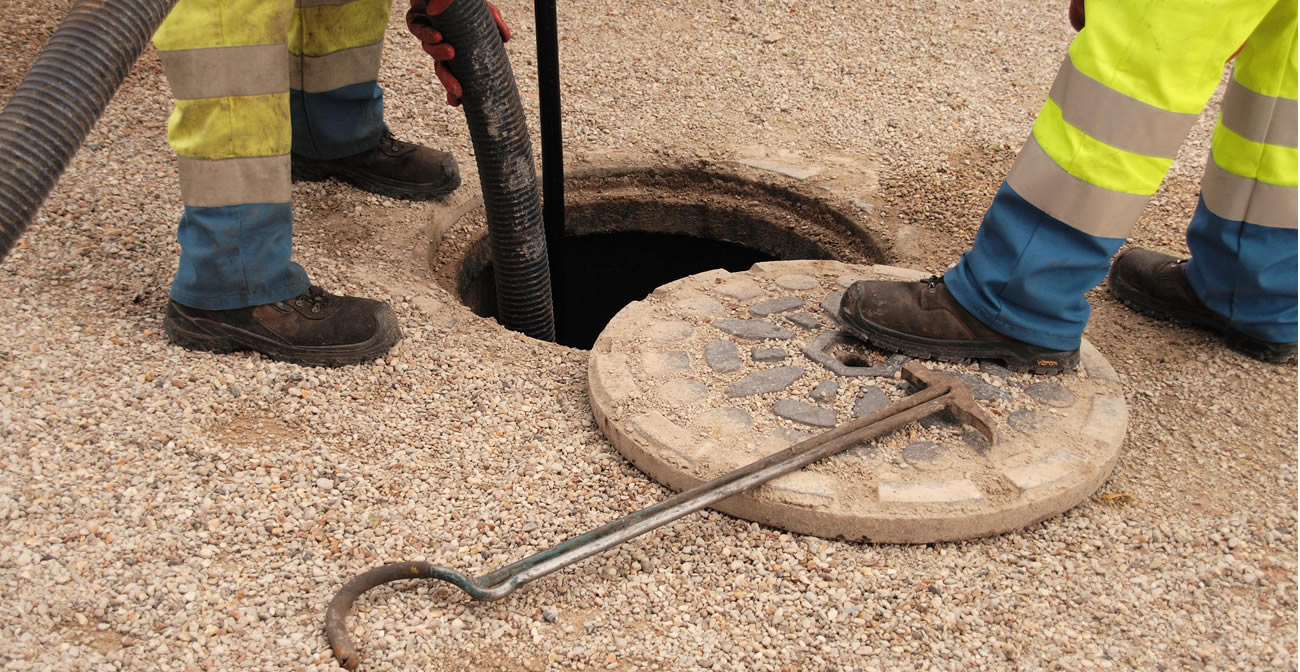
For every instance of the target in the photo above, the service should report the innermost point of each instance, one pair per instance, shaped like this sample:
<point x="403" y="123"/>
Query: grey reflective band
<point x="1242" y="199"/>
<point x="212" y="184"/>
<point x="1083" y="206"/>
<point x="317" y="74"/>
<point x="1116" y="119"/>
<point x="217" y="72"/>
<point x="1259" y="118"/>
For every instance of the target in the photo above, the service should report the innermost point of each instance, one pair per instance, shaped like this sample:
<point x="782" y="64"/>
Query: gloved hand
<point x="1076" y="14"/>
<point x="420" y="24"/>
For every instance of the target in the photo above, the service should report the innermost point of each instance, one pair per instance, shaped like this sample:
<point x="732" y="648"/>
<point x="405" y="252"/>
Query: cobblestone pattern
<point x="714" y="371"/>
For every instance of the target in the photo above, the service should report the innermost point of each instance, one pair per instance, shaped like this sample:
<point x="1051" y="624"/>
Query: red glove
<point x="420" y="24"/>
<point x="1076" y="14"/>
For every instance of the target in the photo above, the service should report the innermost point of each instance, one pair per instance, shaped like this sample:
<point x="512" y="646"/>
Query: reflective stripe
<point x="321" y="30"/>
<point x="214" y="72"/>
<point x="1259" y="118"/>
<point x="1263" y="162"/>
<point x="1094" y="161"/>
<point x="1116" y="119"/>
<point x="1085" y="207"/>
<point x="196" y="24"/>
<point x="231" y="127"/>
<point x="317" y="74"/>
<point x="321" y="3"/>
<point x="1242" y="199"/>
<point x="213" y="184"/>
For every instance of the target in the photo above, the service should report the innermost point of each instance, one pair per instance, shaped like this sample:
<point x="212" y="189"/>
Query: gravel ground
<point x="166" y="510"/>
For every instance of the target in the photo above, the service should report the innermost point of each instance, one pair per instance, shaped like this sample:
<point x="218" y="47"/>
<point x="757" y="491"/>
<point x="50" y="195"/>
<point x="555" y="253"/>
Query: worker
<point x="1135" y="79"/>
<point x="266" y="91"/>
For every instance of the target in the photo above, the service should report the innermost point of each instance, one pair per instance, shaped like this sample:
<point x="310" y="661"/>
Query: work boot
<point x="1156" y="284"/>
<point x="922" y="319"/>
<point x="392" y="168"/>
<point x="313" y="329"/>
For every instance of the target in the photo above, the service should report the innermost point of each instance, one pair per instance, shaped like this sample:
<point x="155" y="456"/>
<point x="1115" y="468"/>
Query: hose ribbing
<point x="504" y="154"/>
<point x="67" y="88"/>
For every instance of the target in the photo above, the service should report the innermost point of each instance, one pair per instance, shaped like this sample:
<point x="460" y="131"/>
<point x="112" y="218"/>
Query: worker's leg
<point x="228" y="69"/>
<point x="338" y="106"/>
<point x="1119" y="109"/>
<point x="1243" y="235"/>
<point x="228" y="65"/>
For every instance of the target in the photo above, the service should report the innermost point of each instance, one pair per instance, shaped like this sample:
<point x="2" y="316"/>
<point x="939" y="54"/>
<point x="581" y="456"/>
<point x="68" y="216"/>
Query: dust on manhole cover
<point x="716" y="370"/>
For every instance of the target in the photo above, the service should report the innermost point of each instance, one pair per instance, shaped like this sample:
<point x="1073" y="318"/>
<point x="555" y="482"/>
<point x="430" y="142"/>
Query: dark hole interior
<point x="602" y="272"/>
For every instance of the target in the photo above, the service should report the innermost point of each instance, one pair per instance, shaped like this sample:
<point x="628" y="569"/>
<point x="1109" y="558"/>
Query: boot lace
<point x="315" y="298"/>
<point x="932" y="282"/>
<point x="392" y="146"/>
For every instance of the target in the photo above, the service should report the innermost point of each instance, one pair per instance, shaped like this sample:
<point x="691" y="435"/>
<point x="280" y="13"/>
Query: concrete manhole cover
<point x="719" y="369"/>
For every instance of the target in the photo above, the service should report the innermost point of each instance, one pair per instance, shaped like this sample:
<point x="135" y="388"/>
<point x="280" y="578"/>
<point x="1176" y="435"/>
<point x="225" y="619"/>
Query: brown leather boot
<point x="1156" y="284"/>
<point x="392" y="168"/>
<point x="921" y="319"/>
<point x="314" y="329"/>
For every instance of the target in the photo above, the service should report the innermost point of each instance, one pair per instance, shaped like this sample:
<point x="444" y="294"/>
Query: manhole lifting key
<point x="937" y="392"/>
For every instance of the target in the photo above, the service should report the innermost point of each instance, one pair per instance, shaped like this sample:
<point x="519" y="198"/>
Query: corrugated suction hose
<point x="69" y="85"/>
<point x="504" y="153"/>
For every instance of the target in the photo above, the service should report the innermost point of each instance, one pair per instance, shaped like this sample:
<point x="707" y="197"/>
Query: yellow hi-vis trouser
<point x="254" y="80"/>
<point x="1135" y="80"/>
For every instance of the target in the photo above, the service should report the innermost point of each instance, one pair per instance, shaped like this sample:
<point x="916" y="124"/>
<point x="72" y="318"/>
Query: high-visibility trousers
<point x="252" y="81"/>
<point x="1135" y="80"/>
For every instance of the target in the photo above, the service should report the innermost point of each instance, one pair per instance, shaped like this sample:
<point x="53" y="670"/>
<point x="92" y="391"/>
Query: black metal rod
<point x="548" y="96"/>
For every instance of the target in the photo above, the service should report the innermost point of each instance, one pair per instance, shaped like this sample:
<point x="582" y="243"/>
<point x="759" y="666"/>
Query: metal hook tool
<point x="938" y="391"/>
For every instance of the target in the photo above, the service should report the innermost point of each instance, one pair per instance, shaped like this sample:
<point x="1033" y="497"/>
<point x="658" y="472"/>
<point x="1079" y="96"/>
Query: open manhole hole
<point x="628" y="233"/>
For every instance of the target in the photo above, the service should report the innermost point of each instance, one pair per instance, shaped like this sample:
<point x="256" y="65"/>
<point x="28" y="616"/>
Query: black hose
<point x="69" y="85"/>
<point x="504" y="154"/>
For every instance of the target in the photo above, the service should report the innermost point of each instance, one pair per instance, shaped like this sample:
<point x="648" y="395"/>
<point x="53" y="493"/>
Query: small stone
<point x="683" y="391"/>
<point x="235" y="391"/>
<point x="873" y="399"/>
<point x="765" y="381"/>
<point x="1024" y="420"/>
<point x="778" y="305"/>
<point x="831" y="304"/>
<point x="804" y="412"/>
<point x="796" y="281"/>
<point x="325" y="484"/>
<point x="943" y="419"/>
<point x="768" y="354"/>
<point x="740" y="289"/>
<point x="976" y="442"/>
<point x="994" y="369"/>
<point x="658" y="363"/>
<point x="722" y="356"/>
<point x="550" y="614"/>
<point x="699" y="306"/>
<point x="670" y="331"/>
<point x="789" y="437"/>
<point x="982" y="390"/>
<point x="726" y="420"/>
<point x="753" y="329"/>
<point x="847" y="281"/>
<point x="806" y="320"/>
<point x="926" y="455"/>
<point x="825" y="391"/>
<point x="1052" y="394"/>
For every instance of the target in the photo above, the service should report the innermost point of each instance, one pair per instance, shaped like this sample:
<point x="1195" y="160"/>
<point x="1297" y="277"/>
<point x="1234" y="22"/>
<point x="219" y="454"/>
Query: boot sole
<point x="210" y="336"/>
<point x="1274" y="353"/>
<point x="1026" y="358"/>
<point x="405" y="191"/>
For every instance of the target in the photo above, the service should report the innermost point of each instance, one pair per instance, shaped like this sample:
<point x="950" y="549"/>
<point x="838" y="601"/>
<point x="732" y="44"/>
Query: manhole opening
<point x="628" y="234"/>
